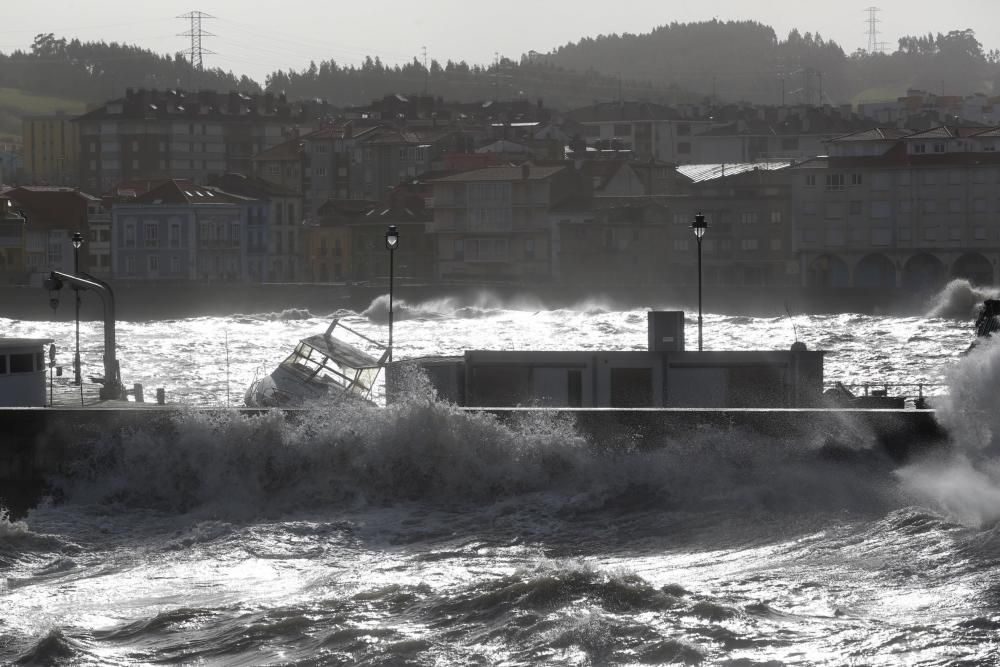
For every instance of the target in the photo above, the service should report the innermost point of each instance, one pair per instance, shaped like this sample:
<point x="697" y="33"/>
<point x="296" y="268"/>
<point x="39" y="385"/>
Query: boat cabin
<point x="319" y="365"/>
<point x="664" y="375"/>
<point x="22" y="372"/>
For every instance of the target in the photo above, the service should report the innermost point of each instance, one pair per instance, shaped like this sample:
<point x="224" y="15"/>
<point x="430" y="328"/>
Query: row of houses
<point x="882" y="208"/>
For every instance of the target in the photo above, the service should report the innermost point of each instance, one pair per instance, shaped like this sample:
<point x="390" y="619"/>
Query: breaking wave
<point x="422" y="450"/>
<point x="960" y="299"/>
<point x="964" y="481"/>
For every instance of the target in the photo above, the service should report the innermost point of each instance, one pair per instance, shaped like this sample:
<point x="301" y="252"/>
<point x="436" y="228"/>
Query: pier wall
<point x="39" y="445"/>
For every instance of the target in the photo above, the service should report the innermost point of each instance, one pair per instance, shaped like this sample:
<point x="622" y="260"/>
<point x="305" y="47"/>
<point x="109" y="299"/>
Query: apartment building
<point x="277" y="232"/>
<point x="189" y="136"/>
<point x="896" y="208"/>
<point x="51" y="149"/>
<point x="494" y="223"/>
<point x="180" y="230"/>
<point x="53" y="215"/>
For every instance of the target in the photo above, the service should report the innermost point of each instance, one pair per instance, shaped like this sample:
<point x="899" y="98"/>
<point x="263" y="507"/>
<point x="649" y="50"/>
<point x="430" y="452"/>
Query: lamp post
<point x="699" y="226"/>
<point x="391" y="241"/>
<point x="77" y="242"/>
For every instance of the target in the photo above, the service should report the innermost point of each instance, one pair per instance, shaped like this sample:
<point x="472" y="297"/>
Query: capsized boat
<point x="322" y="365"/>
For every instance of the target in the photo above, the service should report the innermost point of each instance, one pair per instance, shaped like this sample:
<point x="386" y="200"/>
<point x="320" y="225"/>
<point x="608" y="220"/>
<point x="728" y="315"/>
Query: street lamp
<point x="699" y="226"/>
<point x="391" y="241"/>
<point x="77" y="242"/>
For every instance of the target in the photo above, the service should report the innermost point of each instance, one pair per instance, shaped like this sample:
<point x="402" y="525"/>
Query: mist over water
<point x="421" y="534"/>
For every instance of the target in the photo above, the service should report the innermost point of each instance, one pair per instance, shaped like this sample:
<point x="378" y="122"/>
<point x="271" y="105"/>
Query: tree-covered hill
<point x="745" y="60"/>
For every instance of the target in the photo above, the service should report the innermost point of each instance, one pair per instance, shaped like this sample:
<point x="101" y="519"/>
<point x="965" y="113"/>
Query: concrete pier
<point x="38" y="445"/>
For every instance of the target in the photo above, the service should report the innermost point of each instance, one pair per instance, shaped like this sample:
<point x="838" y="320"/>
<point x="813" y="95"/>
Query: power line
<point x="873" y="21"/>
<point x="196" y="34"/>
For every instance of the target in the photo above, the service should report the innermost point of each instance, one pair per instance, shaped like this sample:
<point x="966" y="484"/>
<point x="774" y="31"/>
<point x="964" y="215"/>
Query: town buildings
<point x="52" y="215"/>
<point x="51" y="148"/>
<point x="492" y="224"/>
<point x="177" y="134"/>
<point x="180" y="230"/>
<point x="894" y="208"/>
<point x="254" y="188"/>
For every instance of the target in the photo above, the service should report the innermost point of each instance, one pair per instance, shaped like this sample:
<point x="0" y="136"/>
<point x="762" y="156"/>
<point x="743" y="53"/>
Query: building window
<point x="319" y="171"/>
<point x="274" y="170"/>
<point x="855" y="179"/>
<point x="748" y="217"/>
<point x="150" y="235"/>
<point x="880" y="209"/>
<point x="855" y="207"/>
<point x="459" y="250"/>
<point x="130" y="265"/>
<point x="680" y="245"/>
<point x="834" y="181"/>
<point x="154" y="264"/>
<point x="234" y="232"/>
<point x="175" y="235"/>
<point x="776" y="217"/>
<point x="775" y="244"/>
<point x="129" y="234"/>
<point x="175" y="264"/>
<point x="955" y="205"/>
<point x="748" y="244"/>
<point x="919" y="148"/>
<point x="939" y="147"/>
<point x="529" y="248"/>
<point x="810" y="180"/>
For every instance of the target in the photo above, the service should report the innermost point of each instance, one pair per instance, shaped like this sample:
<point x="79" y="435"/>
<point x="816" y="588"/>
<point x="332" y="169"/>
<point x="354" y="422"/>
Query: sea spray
<point x="959" y="299"/>
<point x="964" y="482"/>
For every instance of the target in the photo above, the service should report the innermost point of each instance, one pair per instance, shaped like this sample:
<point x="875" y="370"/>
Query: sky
<point x="255" y="37"/>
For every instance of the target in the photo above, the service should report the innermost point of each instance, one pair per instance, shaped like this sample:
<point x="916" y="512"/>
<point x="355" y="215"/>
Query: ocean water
<point x="417" y="534"/>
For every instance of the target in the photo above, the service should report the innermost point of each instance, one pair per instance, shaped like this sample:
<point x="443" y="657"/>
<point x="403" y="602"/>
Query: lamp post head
<point x="699" y="226"/>
<point x="391" y="237"/>
<point x="77" y="240"/>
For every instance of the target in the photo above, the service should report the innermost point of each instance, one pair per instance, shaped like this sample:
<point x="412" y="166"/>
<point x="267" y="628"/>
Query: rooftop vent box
<point x="666" y="330"/>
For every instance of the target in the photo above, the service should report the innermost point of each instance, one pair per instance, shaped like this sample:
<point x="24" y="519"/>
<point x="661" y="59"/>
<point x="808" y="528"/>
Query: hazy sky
<point x="257" y="36"/>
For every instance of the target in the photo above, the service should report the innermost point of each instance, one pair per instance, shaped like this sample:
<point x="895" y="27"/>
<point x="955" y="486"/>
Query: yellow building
<point x="51" y="149"/>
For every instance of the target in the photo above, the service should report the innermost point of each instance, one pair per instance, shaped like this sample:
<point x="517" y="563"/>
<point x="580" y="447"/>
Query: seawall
<point x="42" y="444"/>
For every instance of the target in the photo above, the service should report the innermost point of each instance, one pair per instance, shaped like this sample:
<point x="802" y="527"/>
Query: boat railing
<point x="382" y="347"/>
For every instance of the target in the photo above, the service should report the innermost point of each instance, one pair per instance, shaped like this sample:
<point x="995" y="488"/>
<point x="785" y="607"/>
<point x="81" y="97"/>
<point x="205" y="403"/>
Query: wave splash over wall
<point x="429" y="451"/>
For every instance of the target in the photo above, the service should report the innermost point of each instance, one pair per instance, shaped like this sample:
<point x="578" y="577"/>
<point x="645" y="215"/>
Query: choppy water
<point x="417" y="534"/>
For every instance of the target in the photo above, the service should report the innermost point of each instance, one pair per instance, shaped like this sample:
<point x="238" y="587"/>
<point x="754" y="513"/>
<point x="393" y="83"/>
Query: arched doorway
<point x="828" y="271"/>
<point x="973" y="267"/>
<point x="875" y="270"/>
<point x="923" y="272"/>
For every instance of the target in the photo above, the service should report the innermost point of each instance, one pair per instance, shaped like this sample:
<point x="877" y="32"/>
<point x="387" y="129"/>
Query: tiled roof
<point x="706" y="172"/>
<point x="623" y="111"/>
<point x="170" y="105"/>
<point x="51" y="207"/>
<point x="875" y="134"/>
<point x="286" y="150"/>
<point x="503" y="173"/>
<point x="186" y="192"/>
<point x="251" y="186"/>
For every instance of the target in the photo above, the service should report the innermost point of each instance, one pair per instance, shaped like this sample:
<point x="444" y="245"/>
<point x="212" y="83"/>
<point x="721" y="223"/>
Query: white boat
<point x="321" y="366"/>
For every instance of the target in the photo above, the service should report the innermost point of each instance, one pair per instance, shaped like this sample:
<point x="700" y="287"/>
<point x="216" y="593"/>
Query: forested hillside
<point x="728" y="61"/>
<point x="745" y="60"/>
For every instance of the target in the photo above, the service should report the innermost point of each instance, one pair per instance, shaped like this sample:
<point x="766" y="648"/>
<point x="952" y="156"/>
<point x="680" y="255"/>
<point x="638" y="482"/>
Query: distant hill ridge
<point x="679" y="62"/>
